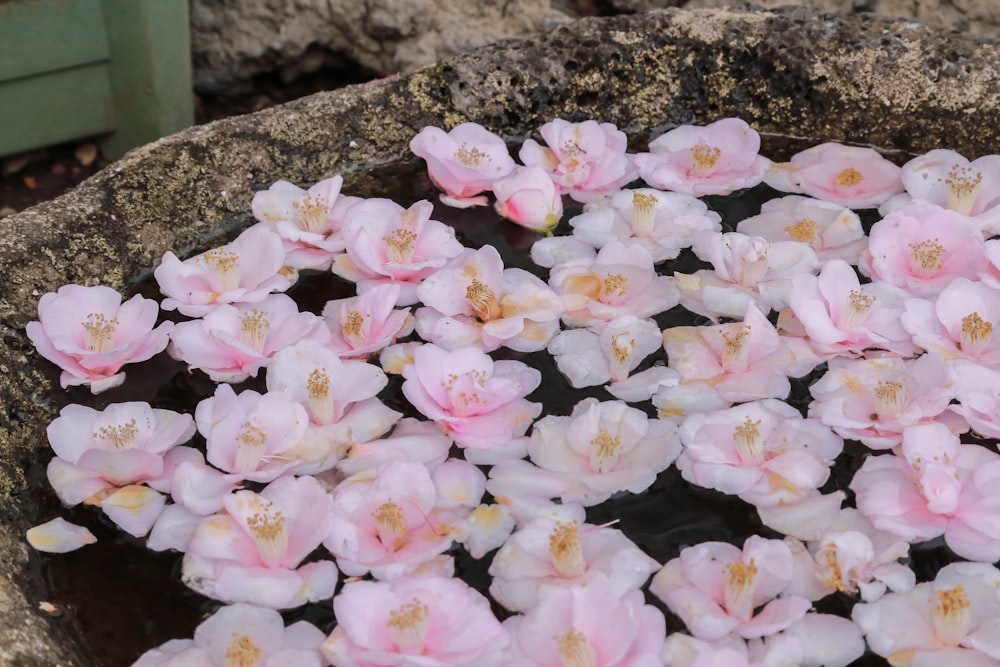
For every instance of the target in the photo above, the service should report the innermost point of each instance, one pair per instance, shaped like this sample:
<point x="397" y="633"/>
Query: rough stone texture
<point x="232" y="40"/>
<point x="857" y="78"/>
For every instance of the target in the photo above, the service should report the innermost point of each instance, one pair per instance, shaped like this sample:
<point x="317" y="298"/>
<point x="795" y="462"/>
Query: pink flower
<point x="832" y="231"/>
<point x="716" y="159"/>
<point x="937" y="486"/>
<point x="241" y="634"/>
<point x="945" y="178"/>
<point x="478" y="402"/>
<point x="389" y="244"/>
<point x="587" y="625"/>
<point x="556" y="549"/>
<point x="529" y="197"/>
<point x="252" y="551"/>
<point x="91" y="334"/>
<point x="951" y="620"/>
<point x="244" y="271"/>
<point x="585" y="159"/>
<point x="588" y="359"/>
<point x="958" y="324"/>
<point x="717" y="588"/>
<point x="232" y="343"/>
<point x="362" y="325"/>
<point x="422" y="620"/>
<point x="850" y="176"/>
<point x="475" y="301"/>
<point x="462" y="162"/>
<point x="921" y="248"/>
<point x="308" y="221"/>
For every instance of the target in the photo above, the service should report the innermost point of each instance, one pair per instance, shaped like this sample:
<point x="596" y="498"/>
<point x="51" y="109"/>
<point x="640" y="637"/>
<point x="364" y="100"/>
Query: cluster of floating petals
<point x="320" y="474"/>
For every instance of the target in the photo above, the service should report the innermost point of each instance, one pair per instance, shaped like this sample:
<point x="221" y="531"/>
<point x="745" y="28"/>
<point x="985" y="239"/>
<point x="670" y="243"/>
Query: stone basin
<point x="791" y="73"/>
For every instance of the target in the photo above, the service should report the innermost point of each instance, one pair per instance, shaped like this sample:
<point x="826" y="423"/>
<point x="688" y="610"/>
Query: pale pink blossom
<point x="763" y="452"/>
<point x="978" y="392"/>
<point x="585" y="160"/>
<point x="953" y="620"/>
<point x="252" y="552"/>
<point x="850" y="176"/>
<point x="840" y="316"/>
<point x="478" y="402"/>
<point x="717" y="588"/>
<point x="922" y="248"/>
<point x="591" y="625"/>
<point x="233" y="342"/>
<point x="361" y="326"/>
<point x="308" y="221"/>
<point x="958" y="323"/>
<point x="422" y="620"/>
<point x="556" y="549"/>
<point x="389" y="520"/>
<point x="241" y="634"/>
<point x="389" y="244"/>
<point x="58" y="536"/>
<point x="474" y="300"/>
<point x="588" y="359"/>
<point x="463" y="161"/>
<point x="662" y="222"/>
<point x="715" y="159"/>
<point x="740" y="361"/>
<point x="620" y="280"/>
<point x="874" y="400"/>
<point x="244" y="271"/>
<point x="90" y="334"/>
<point x="936" y="486"/>
<point x="831" y="230"/>
<point x="250" y="434"/>
<point x="528" y="197"/>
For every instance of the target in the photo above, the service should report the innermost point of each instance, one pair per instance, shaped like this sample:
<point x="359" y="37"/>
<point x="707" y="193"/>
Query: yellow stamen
<point x="99" y="332"/>
<point x="748" y="440"/>
<point x="483" y="301"/>
<point x="408" y="625"/>
<point x="952" y="613"/>
<point x="311" y="213"/>
<point x="320" y="402"/>
<point x="250" y="448"/>
<point x="575" y="650"/>
<point x="643" y="213"/>
<point x="567" y="550"/>
<point x="850" y="177"/>
<point x="242" y="652"/>
<point x="616" y="282"/>
<point x="400" y="244"/>
<point x="470" y="157"/>
<point x="354" y="326"/>
<point x="738" y="594"/>
<point x="805" y="230"/>
<point x="890" y="398"/>
<point x="836" y="576"/>
<point x="390" y="525"/>
<point x="605" y="446"/>
<point x="622" y="352"/>
<point x="926" y="256"/>
<point x="963" y="186"/>
<point x="269" y="531"/>
<point x="859" y="305"/>
<point x="224" y="264"/>
<point x="254" y="327"/>
<point x="121" y="436"/>
<point x="736" y="350"/>
<point x="976" y="333"/>
<point x="704" y="158"/>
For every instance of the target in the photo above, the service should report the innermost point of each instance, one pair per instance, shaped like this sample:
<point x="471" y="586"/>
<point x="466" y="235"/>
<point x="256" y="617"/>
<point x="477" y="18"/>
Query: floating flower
<point x="91" y="334"/>
<point x="831" y="230"/>
<point x="244" y="271"/>
<point x="361" y="326"/>
<point x="588" y="359"/>
<point x="529" y="197"/>
<point x="958" y="324"/>
<point x="850" y="176"/>
<point x="308" y="221"/>
<point x="463" y="162"/>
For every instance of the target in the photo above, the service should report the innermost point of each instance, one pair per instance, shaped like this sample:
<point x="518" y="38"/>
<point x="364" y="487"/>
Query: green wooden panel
<point x="39" y="36"/>
<point x="42" y="110"/>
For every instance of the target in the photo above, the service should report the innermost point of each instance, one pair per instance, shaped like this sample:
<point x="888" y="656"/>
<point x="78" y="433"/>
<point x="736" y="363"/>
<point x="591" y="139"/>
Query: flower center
<point x="390" y="525"/>
<point x="400" y="245"/>
<point x="963" y="186"/>
<point x="567" y="550"/>
<point x="748" y="440"/>
<point x="312" y="213"/>
<point x="254" y="327"/>
<point x="643" y="213"/>
<point x="224" y="265"/>
<point x="738" y="594"/>
<point x="805" y="230"/>
<point x="704" y="158"/>
<point x="355" y="326"/>
<point x="99" y="332"/>
<point x="320" y="403"/>
<point x="836" y="576"/>
<point x="408" y="625"/>
<point x="952" y="614"/>
<point x="976" y="333"/>
<point x="470" y="157"/>
<point x="614" y="283"/>
<point x="622" y="352"/>
<point x="850" y="177"/>
<point x="575" y="650"/>
<point x="483" y="301"/>
<point x="736" y="351"/>
<point x="890" y="398"/>
<point x="605" y="446"/>
<point x="242" y="652"/>
<point x="751" y="266"/>
<point x="269" y="531"/>
<point x="925" y="257"/>
<point x="250" y="448"/>
<point x="120" y="436"/>
<point x="859" y="305"/>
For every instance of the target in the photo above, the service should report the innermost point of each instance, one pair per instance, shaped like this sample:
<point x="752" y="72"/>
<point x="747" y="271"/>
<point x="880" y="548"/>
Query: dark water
<point x="121" y="599"/>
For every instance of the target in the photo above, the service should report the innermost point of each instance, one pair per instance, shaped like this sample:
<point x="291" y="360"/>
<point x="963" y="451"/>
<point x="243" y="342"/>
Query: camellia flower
<point x="958" y="323"/>
<point x="389" y="244"/>
<point x="587" y="625"/>
<point x="716" y="159"/>
<point x="244" y="271"/>
<point x="241" y="635"/>
<point x="414" y="620"/>
<point x="478" y="402"/>
<point x="463" y="162"/>
<point x="831" y="230"/>
<point x="585" y="160"/>
<point x="587" y="358"/>
<point x="91" y="334"/>
<point x="529" y="197"/>
<point x="308" y="221"/>
<point x="475" y="301"/>
<point x="716" y="588"/>
<point x="850" y="176"/>
<point x="951" y="620"/>
<point x="361" y="326"/>
<point x="252" y="551"/>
